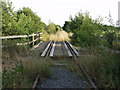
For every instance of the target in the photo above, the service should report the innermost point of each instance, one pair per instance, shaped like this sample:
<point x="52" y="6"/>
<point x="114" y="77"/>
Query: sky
<point x="59" y="11"/>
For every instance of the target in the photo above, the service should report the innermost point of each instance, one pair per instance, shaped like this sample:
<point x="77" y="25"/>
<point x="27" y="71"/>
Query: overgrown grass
<point x="11" y="51"/>
<point x="19" y="70"/>
<point x="23" y="74"/>
<point x="103" y="67"/>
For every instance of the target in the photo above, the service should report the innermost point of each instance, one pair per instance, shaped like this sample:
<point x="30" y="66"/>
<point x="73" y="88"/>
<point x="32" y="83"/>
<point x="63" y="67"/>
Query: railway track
<point x="54" y="48"/>
<point x="76" y="54"/>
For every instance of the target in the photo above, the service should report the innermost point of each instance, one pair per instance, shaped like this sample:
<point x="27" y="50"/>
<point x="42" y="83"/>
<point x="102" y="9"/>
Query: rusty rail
<point x="80" y="65"/>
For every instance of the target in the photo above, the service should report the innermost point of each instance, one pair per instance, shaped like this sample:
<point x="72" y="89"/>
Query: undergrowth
<point x="103" y="67"/>
<point x="23" y="74"/>
<point x="11" y="51"/>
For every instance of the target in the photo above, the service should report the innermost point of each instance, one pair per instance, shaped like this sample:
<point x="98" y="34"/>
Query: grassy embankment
<point x="21" y="66"/>
<point x="102" y="66"/>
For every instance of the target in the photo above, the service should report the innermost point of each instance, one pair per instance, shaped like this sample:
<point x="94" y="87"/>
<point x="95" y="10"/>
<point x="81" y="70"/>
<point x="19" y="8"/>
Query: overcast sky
<point x="59" y="11"/>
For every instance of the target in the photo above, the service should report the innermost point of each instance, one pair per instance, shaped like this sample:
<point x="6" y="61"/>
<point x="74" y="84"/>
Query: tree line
<point x="23" y="21"/>
<point x="87" y="31"/>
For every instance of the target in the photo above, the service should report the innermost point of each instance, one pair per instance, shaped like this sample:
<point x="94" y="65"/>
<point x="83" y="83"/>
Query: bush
<point x="110" y="37"/>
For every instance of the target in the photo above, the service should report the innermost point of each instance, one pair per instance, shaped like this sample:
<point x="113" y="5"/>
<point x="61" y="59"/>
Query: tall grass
<point x="11" y="51"/>
<point x="20" y="73"/>
<point x="23" y="73"/>
<point x="103" y="67"/>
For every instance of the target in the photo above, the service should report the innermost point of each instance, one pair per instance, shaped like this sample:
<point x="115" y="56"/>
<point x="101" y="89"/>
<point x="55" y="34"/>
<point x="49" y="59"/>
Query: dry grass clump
<point x="45" y="36"/>
<point x="60" y="36"/>
<point x="91" y="62"/>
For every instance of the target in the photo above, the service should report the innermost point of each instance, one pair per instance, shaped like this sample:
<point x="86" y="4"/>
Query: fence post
<point x="33" y="39"/>
<point x="39" y="37"/>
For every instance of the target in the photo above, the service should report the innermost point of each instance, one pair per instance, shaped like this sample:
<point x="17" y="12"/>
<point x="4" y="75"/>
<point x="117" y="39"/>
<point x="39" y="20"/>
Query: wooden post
<point x="33" y="39"/>
<point x="40" y="36"/>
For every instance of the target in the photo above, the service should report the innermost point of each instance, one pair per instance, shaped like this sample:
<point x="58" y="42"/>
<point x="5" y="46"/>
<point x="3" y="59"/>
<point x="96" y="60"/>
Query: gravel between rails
<point x="63" y="78"/>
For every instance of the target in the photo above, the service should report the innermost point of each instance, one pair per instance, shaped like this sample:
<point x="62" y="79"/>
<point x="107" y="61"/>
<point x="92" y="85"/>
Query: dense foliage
<point x="87" y="31"/>
<point x="23" y="21"/>
<point x="101" y="64"/>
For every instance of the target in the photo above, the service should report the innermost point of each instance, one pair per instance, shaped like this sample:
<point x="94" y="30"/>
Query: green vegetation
<point x="84" y="31"/>
<point x="23" y="74"/>
<point x="11" y="50"/>
<point x="102" y="65"/>
<point x="87" y="31"/>
<point x="23" y="21"/>
<point x="20" y="22"/>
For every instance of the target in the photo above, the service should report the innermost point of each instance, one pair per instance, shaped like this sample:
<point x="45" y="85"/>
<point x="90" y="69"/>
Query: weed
<point x="103" y="67"/>
<point x="46" y="69"/>
<point x="11" y="51"/>
<point x="24" y="72"/>
<point x="12" y="78"/>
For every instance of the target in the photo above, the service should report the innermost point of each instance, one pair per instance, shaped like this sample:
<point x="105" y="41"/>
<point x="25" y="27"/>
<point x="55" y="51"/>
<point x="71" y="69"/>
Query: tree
<point x="33" y="23"/>
<point x="110" y="37"/>
<point x="7" y="17"/>
<point x="85" y="30"/>
<point x="66" y="26"/>
<point x="23" y="21"/>
<point x="51" y="28"/>
<point x="58" y="28"/>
